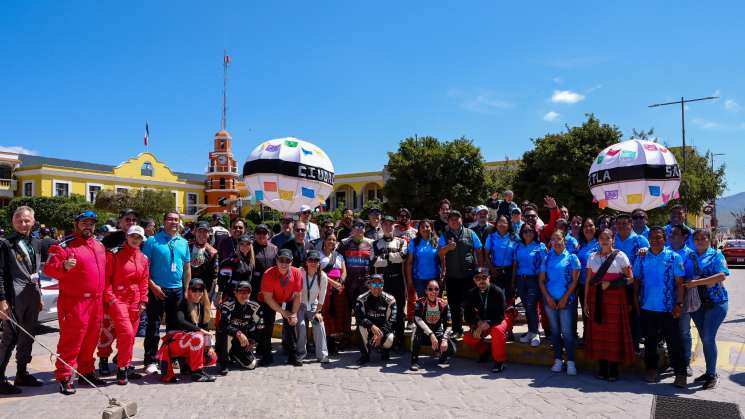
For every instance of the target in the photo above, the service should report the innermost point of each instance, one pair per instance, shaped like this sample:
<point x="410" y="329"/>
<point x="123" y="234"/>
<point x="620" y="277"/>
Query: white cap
<point x="304" y="208"/>
<point x="136" y="230"/>
<point x="482" y="208"/>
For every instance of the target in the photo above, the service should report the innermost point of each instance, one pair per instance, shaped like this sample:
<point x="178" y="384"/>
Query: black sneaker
<point x="498" y="367"/>
<point x="7" y="388"/>
<point x="444" y="359"/>
<point x="93" y="380"/>
<point x="132" y="375"/>
<point x="202" y="377"/>
<point x="385" y="356"/>
<point x="710" y="383"/>
<point x="414" y="366"/>
<point x="266" y="361"/>
<point x="295" y="362"/>
<point x="25" y="379"/>
<point x="222" y="370"/>
<point x="701" y="378"/>
<point x="364" y="359"/>
<point x="484" y="357"/>
<point x="121" y="376"/>
<point x="103" y="367"/>
<point x="67" y="387"/>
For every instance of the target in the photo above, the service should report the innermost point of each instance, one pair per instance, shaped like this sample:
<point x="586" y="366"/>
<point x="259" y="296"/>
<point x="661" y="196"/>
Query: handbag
<point x="595" y="280"/>
<point x="705" y="300"/>
<point x="692" y="300"/>
<point x="334" y="292"/>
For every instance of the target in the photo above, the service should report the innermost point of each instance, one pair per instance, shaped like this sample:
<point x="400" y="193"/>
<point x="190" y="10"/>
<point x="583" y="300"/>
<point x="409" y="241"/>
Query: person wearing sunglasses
<point x="285" y="233"/>
<point x="357" y="251"/>
<point x="281" y="289"/>
<point x="188" y="339"/>
<point x="241" y="320"/>
<point x="311" y="229"/>
<point x="299" y="244"/>
<point x="227" y="246"/>
<point x="639" y="222"/>
<point x="204" y="263"/>
<point x="127" y="218"/>
<point x="485" y="313"/>
<point x="403" y="227"/>
<point x="315" y="283"/>
<point x="373" y="230"/>
<point x="389" y="255"/>
<point x="375" y="312"/>
<point x="529" y="254"/>
<point x="238" y="267"/>
<point x="327" y="228"/>
<point x="431" y="317"/>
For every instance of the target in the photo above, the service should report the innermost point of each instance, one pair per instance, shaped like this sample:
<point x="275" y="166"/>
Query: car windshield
<point x="735" y="243"/>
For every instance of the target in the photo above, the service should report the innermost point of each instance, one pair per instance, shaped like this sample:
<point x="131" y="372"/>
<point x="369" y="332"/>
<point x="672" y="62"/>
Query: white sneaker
<point x="535" y="340"/>
<point x="526" y="337"/>
<point x="571" y="368"/>
<point x="152" y="369"/>
<point x="558" y="365"/>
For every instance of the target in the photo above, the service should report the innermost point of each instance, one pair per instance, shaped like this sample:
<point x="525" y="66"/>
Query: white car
<point x="49" y="294"/>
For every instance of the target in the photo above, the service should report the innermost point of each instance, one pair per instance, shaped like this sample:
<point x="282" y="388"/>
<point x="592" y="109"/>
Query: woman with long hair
<point x="312" y="299"/>
<point x="238" y="267"/>
<point x="529" y="254"/>
<point x="336" y="311"/>
<point x="588" y="244"/>
<point x="423" y="265"/>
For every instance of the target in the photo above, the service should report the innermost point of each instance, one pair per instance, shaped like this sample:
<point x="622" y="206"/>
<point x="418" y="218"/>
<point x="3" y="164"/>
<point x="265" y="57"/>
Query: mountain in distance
<point x="727" y="205"/>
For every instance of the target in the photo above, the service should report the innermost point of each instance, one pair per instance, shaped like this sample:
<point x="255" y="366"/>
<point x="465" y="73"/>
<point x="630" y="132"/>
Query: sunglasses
<point x="306" y="212"/>
<point x="313" y="260"/>
<point x="284" y="260"/>
<point x="360" y="226"/>
<point x="196" y="289"/>
<point x="130" y="220"/>
<point x="638" y="217"/>
<point x="237" y="228"/>
<point x="299" y="230"/>
<point x="433" y="289"/>
<point x="482" y="278"/>
<point x="243" y="291"/>
<point x="531" y="216"/>
<point x="376" y="284"/>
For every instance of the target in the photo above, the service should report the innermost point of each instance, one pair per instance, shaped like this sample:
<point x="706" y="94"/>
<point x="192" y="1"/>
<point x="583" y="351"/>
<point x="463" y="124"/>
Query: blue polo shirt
<point x="669" y="230"/>
<point x="657" y="274"/>
<point x="559" y="270"/>
<point x="583" y="254"/>
<point x="687" y="255"/>
<point x="501" y="248"/>
<point x="711" y="263"/>
<point x="529" y="257"/>
<point x="645" y="232"/>
<point x="426" y="263"/>
<point x="571" y="244"/>
<point x="164" y="251"/>
<point x="631" y="245"/>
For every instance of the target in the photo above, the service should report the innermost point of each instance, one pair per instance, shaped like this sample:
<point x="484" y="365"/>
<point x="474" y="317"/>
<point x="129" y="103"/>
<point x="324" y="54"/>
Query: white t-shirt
<point x="337" y="263"/>
<point x="311" y="232"/>
<point x="616" y="267"/>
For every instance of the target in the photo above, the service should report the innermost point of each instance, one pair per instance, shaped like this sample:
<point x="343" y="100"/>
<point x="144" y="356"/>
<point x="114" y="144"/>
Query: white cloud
<point x="566" y="96"/>
<point x="705" y="123"/>
<point x="18" y="149"/>
<point x="551" y="116"/>
<point x="731" y="106"/>
<point x="479" y="101"/>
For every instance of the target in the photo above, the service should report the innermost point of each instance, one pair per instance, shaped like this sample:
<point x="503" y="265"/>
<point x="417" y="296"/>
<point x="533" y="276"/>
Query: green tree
<point x="425" y="170"/>
<point x="55" y="211"/>
<point x="147" y="203"/>
<point x="502" y="176"/>
<point x="700" y="182"/>
<point x="559" y="163"/>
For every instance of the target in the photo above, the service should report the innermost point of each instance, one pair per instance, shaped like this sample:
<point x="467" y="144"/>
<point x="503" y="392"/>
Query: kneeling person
<point x="431" y="317"/>
<point x="484" y="311"/>
<point x="375" y="312"/>
<point x="241" y="320"/>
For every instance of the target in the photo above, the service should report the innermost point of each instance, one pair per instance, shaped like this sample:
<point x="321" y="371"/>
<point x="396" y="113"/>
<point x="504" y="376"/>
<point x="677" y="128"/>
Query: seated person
<point x="431" y="316"/>
<point x="375" y="312"/>
<point x="188" y="339"/>
<point x="241" y="320"/>
<point x="484" y="311"/>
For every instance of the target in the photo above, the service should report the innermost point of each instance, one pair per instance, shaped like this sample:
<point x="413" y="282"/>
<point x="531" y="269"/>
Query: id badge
<point x="173" y="267"/>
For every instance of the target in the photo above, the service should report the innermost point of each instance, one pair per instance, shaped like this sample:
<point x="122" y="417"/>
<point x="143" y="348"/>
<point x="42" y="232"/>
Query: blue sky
<point x="80" y="78"/>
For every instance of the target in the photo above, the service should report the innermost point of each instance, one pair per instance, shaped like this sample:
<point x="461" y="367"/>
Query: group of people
<point x="634" y="283"/>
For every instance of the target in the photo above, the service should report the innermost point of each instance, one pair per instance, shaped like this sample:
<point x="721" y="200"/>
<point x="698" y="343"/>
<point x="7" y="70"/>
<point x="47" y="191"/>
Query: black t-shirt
<point x="440" y="226"/>
<point x="298" y="252"/>
<point x="114" y="240"/>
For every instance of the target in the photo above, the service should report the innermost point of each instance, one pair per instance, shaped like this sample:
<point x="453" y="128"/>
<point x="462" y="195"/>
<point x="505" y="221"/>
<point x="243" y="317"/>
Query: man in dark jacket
<point x="127" y="218"/>
<point x="375" y="312"/>
<point x="241" y="320"/>
<point x="20" y="298"/>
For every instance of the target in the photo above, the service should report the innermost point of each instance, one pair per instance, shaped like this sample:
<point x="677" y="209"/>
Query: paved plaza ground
<point x="342" y="389"/>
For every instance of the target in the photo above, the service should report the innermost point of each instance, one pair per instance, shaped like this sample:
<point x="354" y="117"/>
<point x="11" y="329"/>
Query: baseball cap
<point x="374" y="211"/>
<point x="481" y="208"/>
<point x="87" y="214"/>
<point x="454" y="213"/>
<point x="128" y="211"/>
<point x="245" y="238"/>
<point x="313" y="254"/>
<point x="136" y="230"/>
<point x="516" y="210"/>
<point x="261" y="227"/>
<point x="284" y="253"/>
<point x="358" y="222"/>
<point x="203" y="225"/>
<point x="304" y="208"/>
<point x="243" y="285"/>
<point x="196" y="283"/>
<point x="481" y="272"/>
<point x="389" y="219"/>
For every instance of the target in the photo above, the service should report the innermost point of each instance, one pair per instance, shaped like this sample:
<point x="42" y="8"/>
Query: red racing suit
<point x="127" y="276"/>
<point x="80" y="302"/>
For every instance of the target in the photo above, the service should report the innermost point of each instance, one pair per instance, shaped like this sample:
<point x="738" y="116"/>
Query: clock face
<point x="222" y="159"/>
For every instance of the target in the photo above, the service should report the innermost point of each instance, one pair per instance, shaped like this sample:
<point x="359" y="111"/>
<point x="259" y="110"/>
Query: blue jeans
<point x="707" y="322"/>
<point x="527" y="289"/>
<point x="155" y="309"/>
<point x="685" y="331"/>
<point x="562" y="320"/>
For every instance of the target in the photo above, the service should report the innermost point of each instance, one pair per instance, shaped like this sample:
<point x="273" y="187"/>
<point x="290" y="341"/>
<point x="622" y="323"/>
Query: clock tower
<point x="222" y="174"/>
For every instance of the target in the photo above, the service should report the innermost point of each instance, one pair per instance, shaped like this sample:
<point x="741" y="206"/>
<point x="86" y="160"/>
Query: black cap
<point x="243" y="285"/>
<point x="374" y="211"/>
<point x="313" y="254"/>
<point x="454" y="213"/>
<point x="358" y="222"/>
<point x="245" y="238"/>
<point x="284" y="253"/>
<point x="203" y="225"/>
<point x="261" y="227"/>
<point x="196" y="283"/>
<point x="389" y="219"/>
<point x="481" y="271"/>
<point x="128" y="211"/>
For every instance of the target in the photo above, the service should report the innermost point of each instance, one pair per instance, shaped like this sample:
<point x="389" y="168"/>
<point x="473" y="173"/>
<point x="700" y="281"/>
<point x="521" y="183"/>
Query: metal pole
<point x="683" y="129"/>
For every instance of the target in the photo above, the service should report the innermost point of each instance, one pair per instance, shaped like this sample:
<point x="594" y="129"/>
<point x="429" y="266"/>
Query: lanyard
<point x="485" y="299"/>
<point x="309" y="286"/>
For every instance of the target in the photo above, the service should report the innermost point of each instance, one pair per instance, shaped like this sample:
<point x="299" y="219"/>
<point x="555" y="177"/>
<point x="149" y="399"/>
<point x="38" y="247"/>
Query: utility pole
<point x="225" y="64"/>
<point x="712" y="155"/>
<point x="682" y="103"/>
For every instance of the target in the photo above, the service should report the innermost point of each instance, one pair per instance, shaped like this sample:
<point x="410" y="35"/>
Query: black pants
<point x="635" y="321"/>
<point x="24" y="309"/>
<point x="289" y="337"/>
<point x="502" y="277"/>
<point x="264" y="343"/>
<point x="456" y="288"/>
<point x="420" y="339"/>
<point x="396" y="286"/>
<point x="657" y="326"/>
<point x="221" y="347"/>
<point x="155" y="309"/>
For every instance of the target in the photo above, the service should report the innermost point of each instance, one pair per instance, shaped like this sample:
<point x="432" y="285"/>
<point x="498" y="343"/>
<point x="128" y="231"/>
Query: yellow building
<point x="46" y="176"/>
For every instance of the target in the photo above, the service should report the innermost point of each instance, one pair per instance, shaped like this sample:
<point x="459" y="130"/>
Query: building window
<point x="93" y="191"/>
<point x="147" y="169"/>
<point x="222" y="183"/>
<point x="192" y="199"/>
<point x="354" y="199"/>
<point x="28" y="188"/>
<point x="122" y="190"/>
<point x="61" y="188"/>
<point x="175" y="200"/>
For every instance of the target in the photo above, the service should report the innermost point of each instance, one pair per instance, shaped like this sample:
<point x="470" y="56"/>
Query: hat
<point x="376" y="278"/>
<point x="136" y="230"/>
<point x="481" y="208"/>
<point x="404" y="210"/>
<point x="481" y="271"/>
<point x="196" y="282"/>
<point x="203" y="225"/>
<point x="374" y="211"/>
<point x="313" y="254"/>
<point x="243" y="285"/>
<point x="261" y="227"/>
<point x="516" y="210"/>
<point x="106" y="229"/>
<point x="304" y="208"/>
<point x="287" y="217"/>
<point x="128" y="211"/>
<point x="245" y="238"/>
<point x="87" y="214"/>
<point x="389" y="219"/>
<point x="454" y="213"/>
<point x="284" y="253"/>
<point x="358" y="222"/>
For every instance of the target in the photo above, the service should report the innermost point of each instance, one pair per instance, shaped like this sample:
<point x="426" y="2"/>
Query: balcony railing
<point x="8" y="187"/>
<point x="222" y="169"/>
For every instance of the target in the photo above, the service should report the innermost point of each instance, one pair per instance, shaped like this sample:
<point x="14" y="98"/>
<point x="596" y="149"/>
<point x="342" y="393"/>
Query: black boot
<point x="7" y="388"/>
<point x="602" y="370"/>
<point x="103" y="367"/>
<point x="612" y="371"/>
<point x="202" y="377"/>
<point x="67" y="387"/>
<point x="121" y="376"/>
<point x="24" y="379"/>
<point x="93" y="380"/>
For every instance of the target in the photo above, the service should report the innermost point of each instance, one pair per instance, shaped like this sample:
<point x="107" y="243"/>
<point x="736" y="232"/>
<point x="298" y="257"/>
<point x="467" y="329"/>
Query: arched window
<point x="147" y="169"/>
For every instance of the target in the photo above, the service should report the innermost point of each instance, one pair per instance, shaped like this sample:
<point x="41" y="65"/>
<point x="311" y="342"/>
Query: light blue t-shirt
<point x="583" y="254"/>
<point x="165" y="252"/>
<point x="669" y="229"/>
<point x="426" y="264"/>
<point x="529" y="257"/>
<point x="501" y="249"/>
<point x="687" y="255"/>
<point x="559" y="270"/>
<point x="657" y="274"/>
<point x="571" y="244"/>
<point x="711" y="263"/>
<point x="631" y="245"/>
